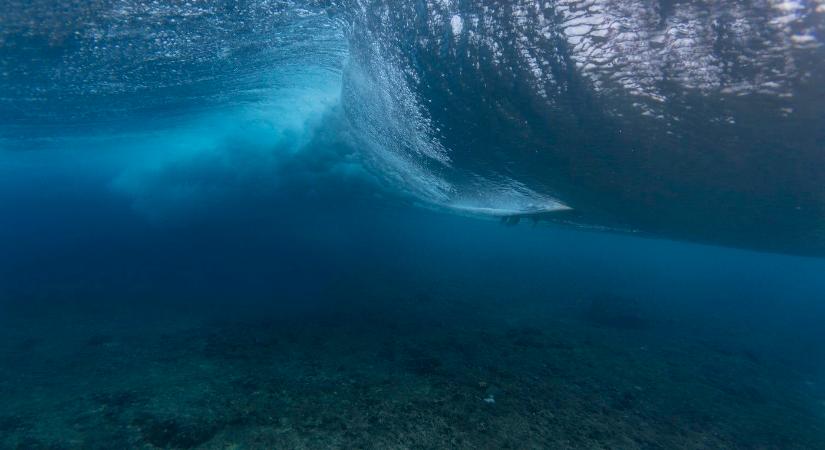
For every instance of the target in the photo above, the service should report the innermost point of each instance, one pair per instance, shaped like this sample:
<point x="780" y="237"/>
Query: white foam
<point x="457" y="24"/>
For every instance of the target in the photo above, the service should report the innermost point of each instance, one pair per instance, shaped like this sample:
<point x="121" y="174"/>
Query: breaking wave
<point x="697" y="120"/>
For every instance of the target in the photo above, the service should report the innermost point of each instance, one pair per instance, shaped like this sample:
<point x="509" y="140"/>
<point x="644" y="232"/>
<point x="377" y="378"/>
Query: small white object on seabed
<point x="489" y="399"/>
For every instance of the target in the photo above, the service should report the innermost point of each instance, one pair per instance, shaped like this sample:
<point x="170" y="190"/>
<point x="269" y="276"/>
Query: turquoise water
<point x="452" y="224"/>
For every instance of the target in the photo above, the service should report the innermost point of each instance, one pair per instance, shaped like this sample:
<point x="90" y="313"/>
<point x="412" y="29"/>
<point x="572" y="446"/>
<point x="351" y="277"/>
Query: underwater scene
<point x="412" y="224"/>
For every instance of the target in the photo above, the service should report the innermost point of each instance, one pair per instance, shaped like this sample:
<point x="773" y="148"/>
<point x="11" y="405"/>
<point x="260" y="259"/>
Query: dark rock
<point x="31" y="443"/>
<point x="29" y="344"/>
<point x="614" y="311"/>
<point x="528" y="337"/>
<point x="170" y="433"/>
<point x="424" y="365"/>
<point x="10" y="424"/>
<point x="116" y="399"/>
<point x="625" y="401"/>
<point x="99" y="340"/>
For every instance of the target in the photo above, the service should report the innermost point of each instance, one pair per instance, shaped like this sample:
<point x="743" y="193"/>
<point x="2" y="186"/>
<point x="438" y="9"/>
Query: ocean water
<point x="412" y="224"/>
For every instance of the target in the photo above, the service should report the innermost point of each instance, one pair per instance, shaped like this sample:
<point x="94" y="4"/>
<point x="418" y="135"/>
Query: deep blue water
<point x="370" y="224"/>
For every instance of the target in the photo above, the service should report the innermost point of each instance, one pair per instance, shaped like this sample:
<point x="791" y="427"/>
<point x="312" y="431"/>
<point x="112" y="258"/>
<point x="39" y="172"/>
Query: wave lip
<point x="685" y="120"/>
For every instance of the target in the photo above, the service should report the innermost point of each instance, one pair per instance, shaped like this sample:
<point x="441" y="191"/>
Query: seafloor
<point x="424" y="369"/>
